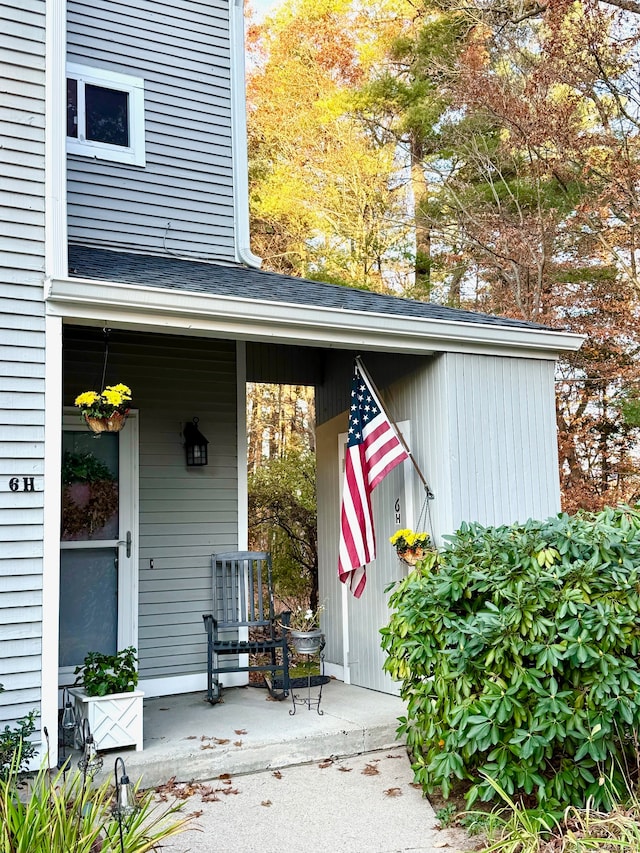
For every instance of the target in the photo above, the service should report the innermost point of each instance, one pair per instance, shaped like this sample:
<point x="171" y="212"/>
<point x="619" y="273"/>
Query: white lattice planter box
<point x="115" y="721"/>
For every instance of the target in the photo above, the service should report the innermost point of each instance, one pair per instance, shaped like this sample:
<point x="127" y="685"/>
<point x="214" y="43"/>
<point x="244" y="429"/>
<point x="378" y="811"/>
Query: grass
<point x="515" y="829"/>
<point x="62" y="812"/>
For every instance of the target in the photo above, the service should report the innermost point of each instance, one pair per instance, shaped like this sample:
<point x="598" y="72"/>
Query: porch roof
<point x="236" y="301"/>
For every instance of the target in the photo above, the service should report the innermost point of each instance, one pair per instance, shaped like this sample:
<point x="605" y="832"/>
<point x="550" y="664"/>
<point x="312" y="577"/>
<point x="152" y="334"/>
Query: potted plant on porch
<point x="304" y="630"/>
<point x="106" y="411"/>
<point x="107" y="698"/>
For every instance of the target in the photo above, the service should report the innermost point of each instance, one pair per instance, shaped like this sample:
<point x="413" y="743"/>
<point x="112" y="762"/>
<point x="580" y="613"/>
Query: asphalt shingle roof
<point x="247" y="283"/>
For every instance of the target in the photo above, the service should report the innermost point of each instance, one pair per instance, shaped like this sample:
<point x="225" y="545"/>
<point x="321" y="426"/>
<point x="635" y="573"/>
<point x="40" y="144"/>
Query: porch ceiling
<point x="190" y="297"/>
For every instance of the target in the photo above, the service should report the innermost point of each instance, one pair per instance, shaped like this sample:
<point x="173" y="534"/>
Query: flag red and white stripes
<point x="373" y="449"/>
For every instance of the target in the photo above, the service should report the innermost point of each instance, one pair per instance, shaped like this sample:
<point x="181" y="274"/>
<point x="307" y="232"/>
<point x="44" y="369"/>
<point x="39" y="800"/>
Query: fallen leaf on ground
<point x="344" y="769"/>
<point x="224" y="776"/>
<point x="211" y="798"/>
<point x="326" y="763"/>
<point x="277" y="774"/>
<point x="240" y="731"/>
<point x="266" y="803"/>
<point x="393" y="792"/>
<point x="221" y="740"/>
<point x="191" y="737"/>
<point x="370" y="770"/>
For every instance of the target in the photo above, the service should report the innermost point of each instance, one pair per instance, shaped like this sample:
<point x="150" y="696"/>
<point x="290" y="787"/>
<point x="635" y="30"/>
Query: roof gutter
<point x="239" y="318"/>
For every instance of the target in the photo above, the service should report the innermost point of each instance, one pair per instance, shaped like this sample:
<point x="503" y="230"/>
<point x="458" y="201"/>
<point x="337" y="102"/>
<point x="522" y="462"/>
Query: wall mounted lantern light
<point x="195" y="445"/>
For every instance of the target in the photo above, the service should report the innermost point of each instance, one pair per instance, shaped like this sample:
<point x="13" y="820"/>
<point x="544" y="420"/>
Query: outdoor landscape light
<point x="125" y="804"/>
<point x="68" y="722"/>
<point x="195" y="445"/>
<point x="90" y="762"/>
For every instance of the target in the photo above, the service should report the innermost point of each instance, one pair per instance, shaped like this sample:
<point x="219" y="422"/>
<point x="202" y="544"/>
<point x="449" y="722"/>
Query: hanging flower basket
<point x="113" y="423"/>
<point x="307" y="642"/>
<point x="410" y="546"/>
<point x="106" y="411"/>
<point x="411" y="555"/>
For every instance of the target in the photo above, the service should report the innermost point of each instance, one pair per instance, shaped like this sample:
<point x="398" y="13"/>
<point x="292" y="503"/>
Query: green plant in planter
<point x="102" y="675"/>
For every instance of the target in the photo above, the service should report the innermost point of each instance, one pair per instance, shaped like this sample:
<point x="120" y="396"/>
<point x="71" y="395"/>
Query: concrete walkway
<point x="362" y="804"/>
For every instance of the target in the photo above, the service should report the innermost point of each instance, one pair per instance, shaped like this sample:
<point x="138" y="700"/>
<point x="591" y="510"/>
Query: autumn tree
<point x="282" y="520"/>
<point x="282" y="485"/>
<point x="531" y="206"/>
<point x="483" y="154"/>
<point x="325" y="199"/>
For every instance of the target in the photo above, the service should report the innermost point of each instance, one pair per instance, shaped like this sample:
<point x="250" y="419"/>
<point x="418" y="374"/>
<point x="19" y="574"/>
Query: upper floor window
<point x="105" y="114"/>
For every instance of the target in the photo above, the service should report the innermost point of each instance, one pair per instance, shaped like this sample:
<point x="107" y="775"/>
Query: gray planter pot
<point x="307" y="642"/>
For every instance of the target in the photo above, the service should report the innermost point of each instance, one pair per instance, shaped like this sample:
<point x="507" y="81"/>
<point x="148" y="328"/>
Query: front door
<point x="98" y="543"/>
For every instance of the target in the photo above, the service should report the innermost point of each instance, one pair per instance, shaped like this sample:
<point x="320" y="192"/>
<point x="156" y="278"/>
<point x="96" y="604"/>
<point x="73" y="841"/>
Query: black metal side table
<point x="309" y="700"/>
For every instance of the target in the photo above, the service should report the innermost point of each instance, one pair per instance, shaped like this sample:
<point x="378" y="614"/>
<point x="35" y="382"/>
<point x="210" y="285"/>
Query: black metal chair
<point x="244" y="622"/>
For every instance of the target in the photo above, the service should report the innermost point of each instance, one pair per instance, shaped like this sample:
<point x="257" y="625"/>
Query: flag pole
<point x="429" y="494"/>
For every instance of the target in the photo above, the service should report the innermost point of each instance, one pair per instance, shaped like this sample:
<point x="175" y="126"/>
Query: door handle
<point x="127" y="542"/>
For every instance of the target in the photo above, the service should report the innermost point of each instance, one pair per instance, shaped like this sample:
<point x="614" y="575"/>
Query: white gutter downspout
<point x="239" y="137"/>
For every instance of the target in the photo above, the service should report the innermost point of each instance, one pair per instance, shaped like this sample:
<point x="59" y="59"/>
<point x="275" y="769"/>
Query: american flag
<point x="373" y="449"/>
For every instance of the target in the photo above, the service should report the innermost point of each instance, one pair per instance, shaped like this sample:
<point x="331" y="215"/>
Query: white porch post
<point x="243" y="497"/>
<point x="55" y="266"/>
<point x="51" y="538"/>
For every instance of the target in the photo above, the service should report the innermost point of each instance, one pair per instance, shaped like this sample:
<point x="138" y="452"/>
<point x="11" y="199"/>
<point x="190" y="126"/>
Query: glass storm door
<point x="98" y="583"/>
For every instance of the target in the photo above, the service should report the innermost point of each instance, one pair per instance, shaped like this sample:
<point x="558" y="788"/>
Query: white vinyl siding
<point x="21" y="354"/>
<point x="185" y="514"/>
<point x="181" y="201"/>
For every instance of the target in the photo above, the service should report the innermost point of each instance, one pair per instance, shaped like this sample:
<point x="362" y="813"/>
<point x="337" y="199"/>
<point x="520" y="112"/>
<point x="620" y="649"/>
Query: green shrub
<point x="517" y="648"/>
<point x="15" y="740"/>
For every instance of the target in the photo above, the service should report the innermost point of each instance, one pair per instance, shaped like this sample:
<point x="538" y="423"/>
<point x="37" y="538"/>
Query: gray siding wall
<point x="185" y="515"/>
<point x="483" y="432"/>
<point x="181" y="202"/>
<point x="21" y="352"/>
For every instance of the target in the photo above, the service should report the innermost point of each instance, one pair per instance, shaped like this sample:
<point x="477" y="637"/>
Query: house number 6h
<point x="28" y="484"/>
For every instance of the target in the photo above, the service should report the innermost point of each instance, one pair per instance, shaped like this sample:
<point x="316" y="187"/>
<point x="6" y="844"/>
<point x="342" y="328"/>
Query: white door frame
<point x="406" y="515"/>
<point x="128" y="566"/>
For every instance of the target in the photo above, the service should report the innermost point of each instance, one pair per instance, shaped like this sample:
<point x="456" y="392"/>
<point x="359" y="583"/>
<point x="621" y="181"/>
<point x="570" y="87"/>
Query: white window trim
<point x="134" y="154"/>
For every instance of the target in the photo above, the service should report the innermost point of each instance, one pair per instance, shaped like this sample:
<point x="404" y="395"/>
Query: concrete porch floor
<point x="187" y="738"/>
